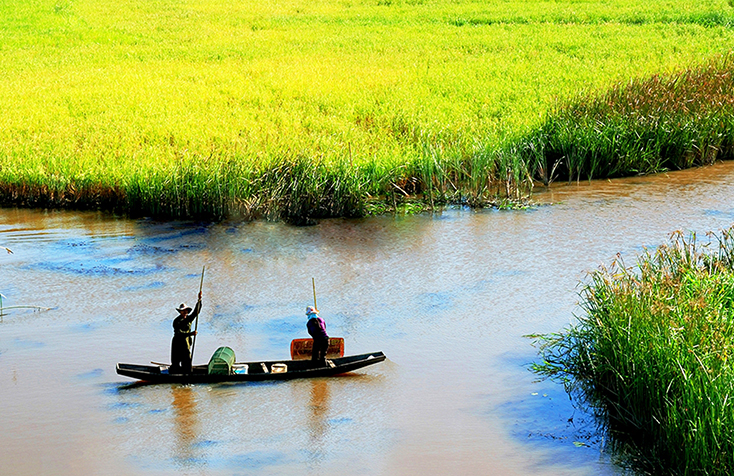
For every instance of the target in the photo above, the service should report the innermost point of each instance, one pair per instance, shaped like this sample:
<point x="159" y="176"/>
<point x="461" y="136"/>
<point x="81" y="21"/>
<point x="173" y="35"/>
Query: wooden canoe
<point x="252" y="371"/>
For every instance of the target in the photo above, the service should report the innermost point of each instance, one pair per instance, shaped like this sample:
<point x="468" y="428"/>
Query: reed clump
<point x="652" y="354"/>
<point x="660" y="123"/>
<point x="295" y="189"/>
<point x="292" y="187"/>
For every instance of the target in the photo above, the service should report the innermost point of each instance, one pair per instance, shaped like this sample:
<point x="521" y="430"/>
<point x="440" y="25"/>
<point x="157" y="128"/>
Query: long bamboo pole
<point x="313" y="283"/>
<point x="196" y="326"/>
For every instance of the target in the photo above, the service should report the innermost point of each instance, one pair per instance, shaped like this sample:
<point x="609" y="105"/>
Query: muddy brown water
<point x="448" y="298"/>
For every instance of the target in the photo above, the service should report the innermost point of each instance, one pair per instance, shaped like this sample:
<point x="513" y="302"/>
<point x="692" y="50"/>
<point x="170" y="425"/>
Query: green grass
<point x="652" y="351"/>
<point x="644" y="126"/>
<point x="180" y="108"/>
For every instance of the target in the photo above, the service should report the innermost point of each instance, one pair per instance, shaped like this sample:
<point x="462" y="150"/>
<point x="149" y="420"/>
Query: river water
<point x="448" y="298"/>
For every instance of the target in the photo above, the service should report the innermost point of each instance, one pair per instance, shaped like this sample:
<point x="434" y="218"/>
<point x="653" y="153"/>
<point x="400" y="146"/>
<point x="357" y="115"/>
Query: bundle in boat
<point x="301" y="349"/>
<point x="221" y="362"/>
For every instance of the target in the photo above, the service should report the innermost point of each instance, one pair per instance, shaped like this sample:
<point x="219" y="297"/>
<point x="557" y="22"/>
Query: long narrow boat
<point x="252" y="371"/>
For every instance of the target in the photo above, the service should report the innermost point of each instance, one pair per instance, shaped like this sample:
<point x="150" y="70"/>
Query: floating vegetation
<point x="7" y="308"/>
<point x="652" y="354"/>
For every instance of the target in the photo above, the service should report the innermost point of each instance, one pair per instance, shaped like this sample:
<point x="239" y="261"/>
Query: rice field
<point x="651" y="355"/>
<point x="644" y="126"/>
<point x="303" y="109"/>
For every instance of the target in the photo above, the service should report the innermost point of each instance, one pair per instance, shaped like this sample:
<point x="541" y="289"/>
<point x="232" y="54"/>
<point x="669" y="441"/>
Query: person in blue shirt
<point x="317" y="329"/>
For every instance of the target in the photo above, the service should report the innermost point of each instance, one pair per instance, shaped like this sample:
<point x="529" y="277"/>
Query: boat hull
<point x="256" y="371"/>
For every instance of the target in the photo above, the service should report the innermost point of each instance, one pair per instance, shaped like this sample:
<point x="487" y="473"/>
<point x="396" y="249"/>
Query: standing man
<point x="182" y="334"/>
<point x="317" y="329"/>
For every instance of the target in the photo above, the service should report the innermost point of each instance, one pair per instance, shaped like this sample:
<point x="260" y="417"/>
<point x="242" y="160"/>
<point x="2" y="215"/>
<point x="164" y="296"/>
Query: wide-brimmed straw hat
<point x="311" y="310"/>
<point x="183" y="307"/>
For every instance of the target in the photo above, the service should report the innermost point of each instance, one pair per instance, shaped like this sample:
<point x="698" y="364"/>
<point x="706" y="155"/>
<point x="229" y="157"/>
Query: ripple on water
<point x="719" y="213"/>
<point x="435" y="301"/>
<point x="92" y="374"/>
<point x="256" y="460"/>
<point x="339" y="421"/>
<point x="143" y="249"/>
<point x="143" y="287"/>
<point x="86" y="327"/>
<point x="177" y="232"/>
<point x="226" y="321"/>
<point x="205" y="444"/>
<point x="288" y="326"/>
<point x="96" y="267"/>
<point x="124" y="405"/>
<point x="79" y="243"/>
<point x="21" y="343"/>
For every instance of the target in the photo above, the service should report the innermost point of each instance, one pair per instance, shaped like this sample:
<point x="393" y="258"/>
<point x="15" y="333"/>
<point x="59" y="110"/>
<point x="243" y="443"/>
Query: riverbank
<point x="296" y="111"/>
<point x="651" y="355"/>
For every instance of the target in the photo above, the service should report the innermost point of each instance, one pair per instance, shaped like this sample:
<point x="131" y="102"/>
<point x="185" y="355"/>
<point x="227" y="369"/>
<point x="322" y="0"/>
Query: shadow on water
<point x="132" y="387"/>
<point x="91" y="262"/>
<point x="548" y="419"/>
<point x="158" y="231"/>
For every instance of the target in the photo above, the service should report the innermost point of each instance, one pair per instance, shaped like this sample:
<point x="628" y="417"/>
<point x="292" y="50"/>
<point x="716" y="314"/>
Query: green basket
<point x="221" y="362"/>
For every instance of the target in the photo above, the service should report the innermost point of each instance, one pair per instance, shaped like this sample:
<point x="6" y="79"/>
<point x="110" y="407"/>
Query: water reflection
<point x="186" y="425"/>
<point x="317" y="419"/>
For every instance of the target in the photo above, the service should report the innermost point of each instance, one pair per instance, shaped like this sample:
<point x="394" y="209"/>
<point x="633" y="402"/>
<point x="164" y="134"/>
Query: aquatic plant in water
<point x="652" y="354"/>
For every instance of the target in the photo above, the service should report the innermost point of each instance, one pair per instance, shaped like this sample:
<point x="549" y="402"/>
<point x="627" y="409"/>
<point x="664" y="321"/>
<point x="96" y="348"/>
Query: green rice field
<point x="293" y="109"/>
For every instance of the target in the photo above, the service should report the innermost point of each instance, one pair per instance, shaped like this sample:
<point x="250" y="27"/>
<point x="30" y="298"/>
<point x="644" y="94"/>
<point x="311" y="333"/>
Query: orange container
<point x="301" y="348"/>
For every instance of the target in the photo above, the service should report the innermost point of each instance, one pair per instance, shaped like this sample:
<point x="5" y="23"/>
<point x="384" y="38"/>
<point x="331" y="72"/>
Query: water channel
<point x="448" y="297"/>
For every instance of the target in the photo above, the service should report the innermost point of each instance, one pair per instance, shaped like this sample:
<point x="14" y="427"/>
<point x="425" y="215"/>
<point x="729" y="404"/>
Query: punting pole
<point x="313" y="283"/>
<point x="196" y="326"/>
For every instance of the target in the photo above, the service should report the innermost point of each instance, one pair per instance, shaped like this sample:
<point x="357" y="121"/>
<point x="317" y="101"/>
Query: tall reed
<point x="643" y="126"/>
<point x="652" y="354"/>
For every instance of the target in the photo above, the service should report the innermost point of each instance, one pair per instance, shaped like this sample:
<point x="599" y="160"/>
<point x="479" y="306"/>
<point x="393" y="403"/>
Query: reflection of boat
<point x="252" y="371"/>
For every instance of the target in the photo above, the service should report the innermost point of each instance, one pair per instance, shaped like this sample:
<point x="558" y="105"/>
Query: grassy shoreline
<point x="301" y="110"/>
<point x="644" y="126"/>
<point x="651" y="354"/>
<point x="665" y="122"/>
